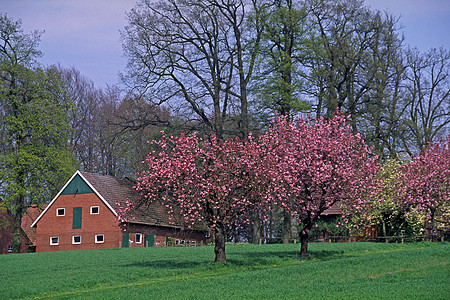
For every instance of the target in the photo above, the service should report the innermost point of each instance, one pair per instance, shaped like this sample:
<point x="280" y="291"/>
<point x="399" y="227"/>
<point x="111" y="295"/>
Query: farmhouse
<point x="83" y="215"/>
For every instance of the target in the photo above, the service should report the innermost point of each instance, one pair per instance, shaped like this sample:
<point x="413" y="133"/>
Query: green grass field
<point x="336" y="271"/>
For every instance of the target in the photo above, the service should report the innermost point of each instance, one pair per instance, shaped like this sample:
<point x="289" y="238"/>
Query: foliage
<point x="207" y="181"/>
<point x="34" y="157"/>
<point x="327" y="227"/>
<point x="344" y="270"/>
<point x="408" y="195"/>
<point x="277" y="82"/>
<point x="425" y="182"/>
<point x="383" y="210"/>
<point x="318" y="164"/>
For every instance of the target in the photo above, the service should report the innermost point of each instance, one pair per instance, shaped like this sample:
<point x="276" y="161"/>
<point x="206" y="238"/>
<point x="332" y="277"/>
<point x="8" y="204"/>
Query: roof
<point x="333" y="210"/>
<point x="119" y="190"/>
<point x="29" y="217"/>
<point x="111" y="191"/>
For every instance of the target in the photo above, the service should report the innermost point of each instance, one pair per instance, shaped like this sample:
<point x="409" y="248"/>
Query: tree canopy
<point x="34" y="157"/>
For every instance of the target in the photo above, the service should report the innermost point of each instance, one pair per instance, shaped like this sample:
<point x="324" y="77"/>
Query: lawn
<point x="336" y="271"/>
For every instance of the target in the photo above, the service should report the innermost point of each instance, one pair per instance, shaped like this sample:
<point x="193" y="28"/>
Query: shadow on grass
<point x="165" y="264"/>
<point x="243" y="259"/>
<point x="269" y="257"/>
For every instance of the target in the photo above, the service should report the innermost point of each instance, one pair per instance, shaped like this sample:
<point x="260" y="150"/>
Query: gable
<point x="77" y="186"/>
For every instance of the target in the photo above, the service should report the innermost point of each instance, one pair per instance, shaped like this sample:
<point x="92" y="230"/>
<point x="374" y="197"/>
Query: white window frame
<point x="98" y="210"/>
<point x="51" y="241"/>
<point x="140" y="238"/>
<point x="73" y="240"/>
<point x="63" y="212"/>
<point x="96" y="238"/>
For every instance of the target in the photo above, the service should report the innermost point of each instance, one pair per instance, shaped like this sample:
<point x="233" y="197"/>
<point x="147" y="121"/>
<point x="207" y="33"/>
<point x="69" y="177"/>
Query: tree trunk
<point x="384" y="228"/>
<point x="433" y="227"/>
<point x="220" y="239"/>
<point x="286" y="226"/>
<point x="17" y="228"/>
<point x="256" y="229"/>
<point x="304" y="235"/>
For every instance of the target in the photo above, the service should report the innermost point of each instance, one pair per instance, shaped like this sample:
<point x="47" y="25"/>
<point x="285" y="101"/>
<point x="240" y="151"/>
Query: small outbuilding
<point x="83" y="215"/>
<point x="6" y="233"/>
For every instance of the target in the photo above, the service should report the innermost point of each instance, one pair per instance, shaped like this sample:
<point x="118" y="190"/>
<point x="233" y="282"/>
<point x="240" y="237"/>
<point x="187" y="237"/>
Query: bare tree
<point x="190" y="56"/>
<point x="427" y="97"/>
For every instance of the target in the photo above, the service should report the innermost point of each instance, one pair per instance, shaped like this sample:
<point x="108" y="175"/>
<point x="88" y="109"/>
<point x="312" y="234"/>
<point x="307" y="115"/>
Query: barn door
<point x="76" y="222"/>
<point x="125" y="240"/>
<point x="150" y="240"/>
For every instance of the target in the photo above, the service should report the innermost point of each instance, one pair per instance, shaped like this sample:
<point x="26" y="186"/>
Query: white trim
<point x="63" y="214"/>
<point x="61" y="190"/>
<point x="98" y="194"/>
<point x="51" y="242"/>
<point x="73" y="239"/>
<point x="136" y="235"/>
<point x="54" y="199"/>
<point x="97" y="242"/>
<point x="98" y="210"/>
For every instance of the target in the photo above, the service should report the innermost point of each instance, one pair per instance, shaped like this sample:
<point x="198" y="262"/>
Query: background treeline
<point x="222" y="66"/>
<point x="228" y="66"/>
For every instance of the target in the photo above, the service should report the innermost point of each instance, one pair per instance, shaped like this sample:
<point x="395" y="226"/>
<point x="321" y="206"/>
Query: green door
<point x="125" y="240"/>
<point x="76" y="223"/>
<point x="150" y="240"/>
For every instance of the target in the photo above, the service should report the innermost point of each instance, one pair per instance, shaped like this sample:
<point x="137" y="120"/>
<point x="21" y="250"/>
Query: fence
<point x="360" y="238"/>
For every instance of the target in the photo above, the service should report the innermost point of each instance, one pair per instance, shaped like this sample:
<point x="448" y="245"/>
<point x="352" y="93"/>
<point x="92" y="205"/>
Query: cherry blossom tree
<point x="319" y="164"/>
<point x="426" y="182"/>
<point x="206" y="181"/>
<point x="383" y="209"/>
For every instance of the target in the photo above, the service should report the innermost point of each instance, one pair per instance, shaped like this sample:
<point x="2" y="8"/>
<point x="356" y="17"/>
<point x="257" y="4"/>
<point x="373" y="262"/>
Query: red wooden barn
<point x="83" y="216"/>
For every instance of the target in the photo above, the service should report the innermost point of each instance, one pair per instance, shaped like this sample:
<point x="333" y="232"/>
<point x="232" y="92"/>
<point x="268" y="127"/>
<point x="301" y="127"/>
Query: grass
<point x="336" y="271"/>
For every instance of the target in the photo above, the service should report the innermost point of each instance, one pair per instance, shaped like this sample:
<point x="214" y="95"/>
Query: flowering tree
<point x="214" y="182"/>
<point x="383" y="209"/>
<point x="319" y="164"/>
<point x="426" y="182"/>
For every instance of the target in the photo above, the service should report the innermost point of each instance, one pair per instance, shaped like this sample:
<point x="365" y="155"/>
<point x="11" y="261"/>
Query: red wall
<point x="52" y="225"/>
<point x="104" y="223"/>
<point x="6" y="233"/>
<point x="162" y="233"/>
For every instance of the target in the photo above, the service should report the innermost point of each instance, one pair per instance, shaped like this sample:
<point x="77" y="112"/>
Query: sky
<point x="85" y="33"/>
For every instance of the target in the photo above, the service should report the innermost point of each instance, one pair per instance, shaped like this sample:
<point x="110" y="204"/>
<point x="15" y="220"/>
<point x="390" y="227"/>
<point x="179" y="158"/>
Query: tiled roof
<point x="333" y="210"/>
<point x="29" y="217"/>
<point x="118" y="190"/>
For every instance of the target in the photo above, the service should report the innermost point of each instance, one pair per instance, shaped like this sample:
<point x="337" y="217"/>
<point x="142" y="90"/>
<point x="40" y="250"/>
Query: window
<point x="95" y="210"/>
<point x="60" y="212"/>
<point x="76" y="239"/>
<point x="139" y="238"/>
<point x="99" y="238"/>
<point x="54" y="240"/>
